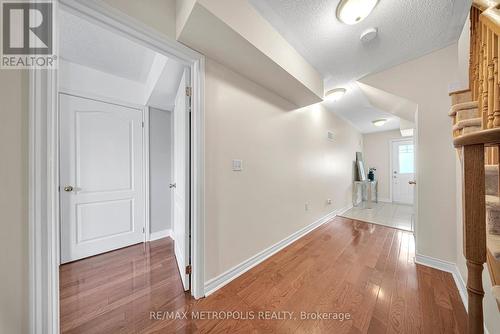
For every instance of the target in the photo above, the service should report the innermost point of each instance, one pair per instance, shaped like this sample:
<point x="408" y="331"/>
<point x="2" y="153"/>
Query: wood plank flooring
<point x="343" y="267"/>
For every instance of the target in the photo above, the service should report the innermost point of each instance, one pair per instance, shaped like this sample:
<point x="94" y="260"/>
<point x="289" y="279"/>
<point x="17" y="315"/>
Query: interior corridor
<point x="363" y="271"/>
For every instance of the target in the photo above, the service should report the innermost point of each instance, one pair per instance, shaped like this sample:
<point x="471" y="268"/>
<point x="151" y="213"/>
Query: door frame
<point x="391" y="143"/>
<point x="43" y="163"/>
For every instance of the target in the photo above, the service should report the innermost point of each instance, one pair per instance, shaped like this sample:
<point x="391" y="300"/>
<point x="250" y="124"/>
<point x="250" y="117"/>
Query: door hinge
<point x="189" y="91"/>
<point x="142" y="124"/>
<point x="143" y="230"/>
<point x="188" y="270"/>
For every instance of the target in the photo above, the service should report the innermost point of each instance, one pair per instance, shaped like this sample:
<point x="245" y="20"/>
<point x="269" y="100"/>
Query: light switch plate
<point x="237" y="165"/>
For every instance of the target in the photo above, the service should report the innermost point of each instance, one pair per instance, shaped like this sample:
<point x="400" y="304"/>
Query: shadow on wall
<point x="249" y="87"/>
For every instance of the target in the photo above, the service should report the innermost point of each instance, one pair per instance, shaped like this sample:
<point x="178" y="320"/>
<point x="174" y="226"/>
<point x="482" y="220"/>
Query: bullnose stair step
<point x="496" y="293"/>
<point x="460" y="96"/>
<point x="468" y="125"/>
<point x="462" y="110"/>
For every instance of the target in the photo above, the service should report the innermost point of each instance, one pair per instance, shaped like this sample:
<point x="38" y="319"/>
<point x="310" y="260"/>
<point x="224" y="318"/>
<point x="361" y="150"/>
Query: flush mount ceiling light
<point x="355" y="11"/>
<point x="379" y="122"/>
<point x="335" y="94"/>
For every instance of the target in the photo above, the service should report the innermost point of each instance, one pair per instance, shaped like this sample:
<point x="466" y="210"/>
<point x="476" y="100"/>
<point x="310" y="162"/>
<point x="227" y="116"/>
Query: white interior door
<point x="403" y="171"/>
<point x="181" y="180"/>
<point x="102" y="197"/>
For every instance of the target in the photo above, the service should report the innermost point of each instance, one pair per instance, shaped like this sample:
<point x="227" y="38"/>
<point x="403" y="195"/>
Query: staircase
<point x="476" y="130"/>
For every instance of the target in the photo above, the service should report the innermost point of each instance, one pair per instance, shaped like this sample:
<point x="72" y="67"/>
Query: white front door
<point x="403" y="171"/>
<point x="101" y="185"/>
<point x="181" y="180"/>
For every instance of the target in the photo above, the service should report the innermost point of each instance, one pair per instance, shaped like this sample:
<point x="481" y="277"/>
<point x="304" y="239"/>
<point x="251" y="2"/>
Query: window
<point x="406" y="159"/>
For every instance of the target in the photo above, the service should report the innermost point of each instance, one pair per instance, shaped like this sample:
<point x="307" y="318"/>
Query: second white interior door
<point x="102" y="196"/>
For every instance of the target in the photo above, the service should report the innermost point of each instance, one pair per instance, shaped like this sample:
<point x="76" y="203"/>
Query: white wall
<point x="83" y="80"/>
<point x="287" y="159"/>
<point x="377" y="154"/>
<point x="13" y="201"/>
<point x="425" y="81"/>
<point x="160" y="168"/>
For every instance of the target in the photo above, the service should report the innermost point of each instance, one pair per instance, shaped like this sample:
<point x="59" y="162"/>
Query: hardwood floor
<point x="344" y="266"/>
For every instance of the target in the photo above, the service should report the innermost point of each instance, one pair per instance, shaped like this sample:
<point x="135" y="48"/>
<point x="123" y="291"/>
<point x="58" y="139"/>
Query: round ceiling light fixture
<point x="355" y="11"/>
<point x="335" y="94"/>
<point x="379" y="122"/>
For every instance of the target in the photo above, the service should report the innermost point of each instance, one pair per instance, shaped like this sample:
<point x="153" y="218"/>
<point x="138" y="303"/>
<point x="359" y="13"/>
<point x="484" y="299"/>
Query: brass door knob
<point x="68" y="188"/>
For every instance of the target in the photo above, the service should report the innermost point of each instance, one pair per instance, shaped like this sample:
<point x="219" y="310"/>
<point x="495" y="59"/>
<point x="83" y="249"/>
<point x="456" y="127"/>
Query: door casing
<point x="43" y="161"/>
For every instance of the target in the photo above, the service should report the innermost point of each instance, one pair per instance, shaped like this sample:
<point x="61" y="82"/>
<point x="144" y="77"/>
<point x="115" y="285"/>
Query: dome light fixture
<point x="354" y="11"/>
<point x="379" y="122"/>
<point x="335" y="94"/>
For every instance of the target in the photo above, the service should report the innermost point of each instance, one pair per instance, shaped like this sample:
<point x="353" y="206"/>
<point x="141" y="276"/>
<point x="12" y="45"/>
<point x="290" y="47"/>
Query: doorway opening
<point x="90" y="160"/>
<point x="391" y="159"/>
<point x="124" y="115"/>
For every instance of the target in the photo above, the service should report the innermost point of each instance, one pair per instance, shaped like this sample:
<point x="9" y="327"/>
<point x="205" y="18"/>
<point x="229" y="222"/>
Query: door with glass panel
<point x="403" y="171"/>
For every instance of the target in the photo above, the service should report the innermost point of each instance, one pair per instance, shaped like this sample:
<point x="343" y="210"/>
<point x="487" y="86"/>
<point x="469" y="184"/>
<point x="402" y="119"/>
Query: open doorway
<point x="124" y="175"/>
<point x="391" y="158"/>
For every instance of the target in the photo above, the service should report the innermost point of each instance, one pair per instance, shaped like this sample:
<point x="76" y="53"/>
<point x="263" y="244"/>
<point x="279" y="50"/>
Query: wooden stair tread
<point x="491" y="168"/>
<point x="492" y="201"/>
<point x="463" y="106"/>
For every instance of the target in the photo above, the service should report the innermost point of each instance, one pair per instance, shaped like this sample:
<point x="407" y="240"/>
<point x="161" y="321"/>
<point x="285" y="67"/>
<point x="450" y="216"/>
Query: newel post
<point x="474" y="225"/>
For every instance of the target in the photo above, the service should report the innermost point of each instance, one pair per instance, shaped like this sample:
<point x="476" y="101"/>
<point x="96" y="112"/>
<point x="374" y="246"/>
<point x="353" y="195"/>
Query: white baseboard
<point x="218" y="282"/>
<point x="449" y="267"/>
<point x="160" y="235"/>
<point x="385" y="200"/>
<point x="452" y="269"/>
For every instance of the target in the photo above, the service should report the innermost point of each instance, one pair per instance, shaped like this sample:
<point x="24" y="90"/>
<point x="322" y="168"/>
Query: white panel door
<point x="181" y="181"/>
<point x="102" y="196"/>
<point x="403" y="171"/>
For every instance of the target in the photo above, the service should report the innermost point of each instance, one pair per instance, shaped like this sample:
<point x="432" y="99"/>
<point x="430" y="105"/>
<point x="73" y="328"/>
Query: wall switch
<point x="237" y="165"/>
<point x="329" y="201"/>
<point x="306" y="206"/>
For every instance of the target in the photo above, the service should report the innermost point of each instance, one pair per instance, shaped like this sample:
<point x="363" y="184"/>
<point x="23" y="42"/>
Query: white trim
<point x="160" y="235"/>
<point x="385" y="200"/>
<point x="146" y="174"/>
<point x="43" y="203"/>
<point x="218" y="282"/>
<point x="449" y="267"/>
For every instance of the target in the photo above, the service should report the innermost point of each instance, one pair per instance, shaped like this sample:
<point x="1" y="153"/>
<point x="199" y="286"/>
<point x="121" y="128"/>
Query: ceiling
<point x="407" y="29"/>
<point x="90" y="45"/>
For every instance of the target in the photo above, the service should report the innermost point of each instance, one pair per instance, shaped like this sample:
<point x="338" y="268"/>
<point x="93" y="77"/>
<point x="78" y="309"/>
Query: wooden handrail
<point x="488" y="137"/>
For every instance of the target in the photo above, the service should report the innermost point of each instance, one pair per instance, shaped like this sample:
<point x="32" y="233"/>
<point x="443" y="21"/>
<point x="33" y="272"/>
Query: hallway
<point x="355" y="270"/>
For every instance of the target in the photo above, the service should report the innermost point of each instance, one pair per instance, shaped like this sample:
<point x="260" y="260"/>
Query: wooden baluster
<point x="482" y="90"/>
<point x="496" y="92"/>
<point x="490" y="72"/>
<point x="476" y="40"/>
<point x="477" y="50"/>
<point x="471" y="51"/>
<point x="485" y="73"/>
<point x="474" y="232"/>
